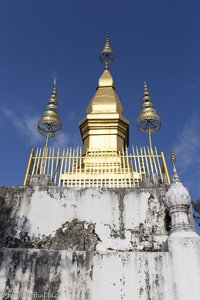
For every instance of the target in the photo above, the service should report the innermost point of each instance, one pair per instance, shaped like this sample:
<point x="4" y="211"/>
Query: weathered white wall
<point x="100" y="275"/>
<point x="184" y="248"/>
<point x="120" y="217"/>
<point x="122" y="230"/>
<point x="82" y="275"/>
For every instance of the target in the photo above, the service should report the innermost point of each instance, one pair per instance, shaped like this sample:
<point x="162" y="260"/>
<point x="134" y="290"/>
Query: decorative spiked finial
<point x="175" y="174"/>
<point x="106" y="55"/>
<point x="173" y="157"/>
<point x="148" y="120"/>
<point x="50" y="125"/>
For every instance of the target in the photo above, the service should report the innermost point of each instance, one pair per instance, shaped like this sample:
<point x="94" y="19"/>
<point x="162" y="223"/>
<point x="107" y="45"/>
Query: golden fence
<point x="114" y="169"/>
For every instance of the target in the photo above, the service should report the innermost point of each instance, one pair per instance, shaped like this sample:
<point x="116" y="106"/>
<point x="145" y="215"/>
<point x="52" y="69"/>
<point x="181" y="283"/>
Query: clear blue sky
<point x="154" y="41"/>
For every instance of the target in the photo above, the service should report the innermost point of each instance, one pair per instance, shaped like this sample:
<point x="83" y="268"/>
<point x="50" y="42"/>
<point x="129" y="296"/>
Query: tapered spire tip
<point x="50" y="124"/>
<point x="175" y="177"/>
<point x="54" y="82"/>
<point x="106" y="54"/>
<point x="148" y="118"/>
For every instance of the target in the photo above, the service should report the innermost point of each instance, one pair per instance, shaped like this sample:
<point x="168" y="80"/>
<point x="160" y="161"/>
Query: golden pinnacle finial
<point x="146" y="91"/>
<point x="50" y="124"/>
<point x="107" y="47"/>
<point x="173" y="157"/>
<point x="148" y="121"/>
<point x="106" y="55"/>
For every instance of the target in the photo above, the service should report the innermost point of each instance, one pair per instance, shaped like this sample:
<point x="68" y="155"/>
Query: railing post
<point x="28" y="167"/>
<point x="165" y="168"/>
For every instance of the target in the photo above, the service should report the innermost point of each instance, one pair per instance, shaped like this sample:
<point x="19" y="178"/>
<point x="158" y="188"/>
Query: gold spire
<point x="107" y="47"/>
<point x="106" y="54"/>
<point x="50" y="124"/>
<point x="104" y="126"/>
<point x="105" y="99"/>
<point x="148" y="120"/>
<point x="106" y="79"/>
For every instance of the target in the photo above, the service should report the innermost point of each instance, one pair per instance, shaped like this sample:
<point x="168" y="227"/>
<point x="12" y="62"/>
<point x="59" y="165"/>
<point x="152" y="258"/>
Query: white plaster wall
<point x="102" y="274"/>
<point x="107" y="275"/>
<point x="185" y="262"/>
<point x="47" y="210"/>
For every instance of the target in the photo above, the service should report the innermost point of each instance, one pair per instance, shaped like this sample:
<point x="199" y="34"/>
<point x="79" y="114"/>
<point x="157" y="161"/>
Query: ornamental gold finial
<point x="173" y="157"/>
<point x="106" y="54"/>
<point x="50" y="125"/>
<point x="148" y="121"/>
<point x="175" y="174"/>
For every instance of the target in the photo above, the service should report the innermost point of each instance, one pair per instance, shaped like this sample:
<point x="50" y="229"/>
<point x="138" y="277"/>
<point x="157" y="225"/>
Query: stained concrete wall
<point x="93" y="244"/>
<point x="90" y="275"/>
<point x="86" y="275"/>
<point x="83" y="219"/>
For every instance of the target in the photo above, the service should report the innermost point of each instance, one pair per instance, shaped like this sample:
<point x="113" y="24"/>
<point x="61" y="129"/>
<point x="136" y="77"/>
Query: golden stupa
<point x="104" y="160"/>
<point x="104" y="126"/>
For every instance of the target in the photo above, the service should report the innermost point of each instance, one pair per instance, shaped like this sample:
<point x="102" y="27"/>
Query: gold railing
<point x="71" y="168"/>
